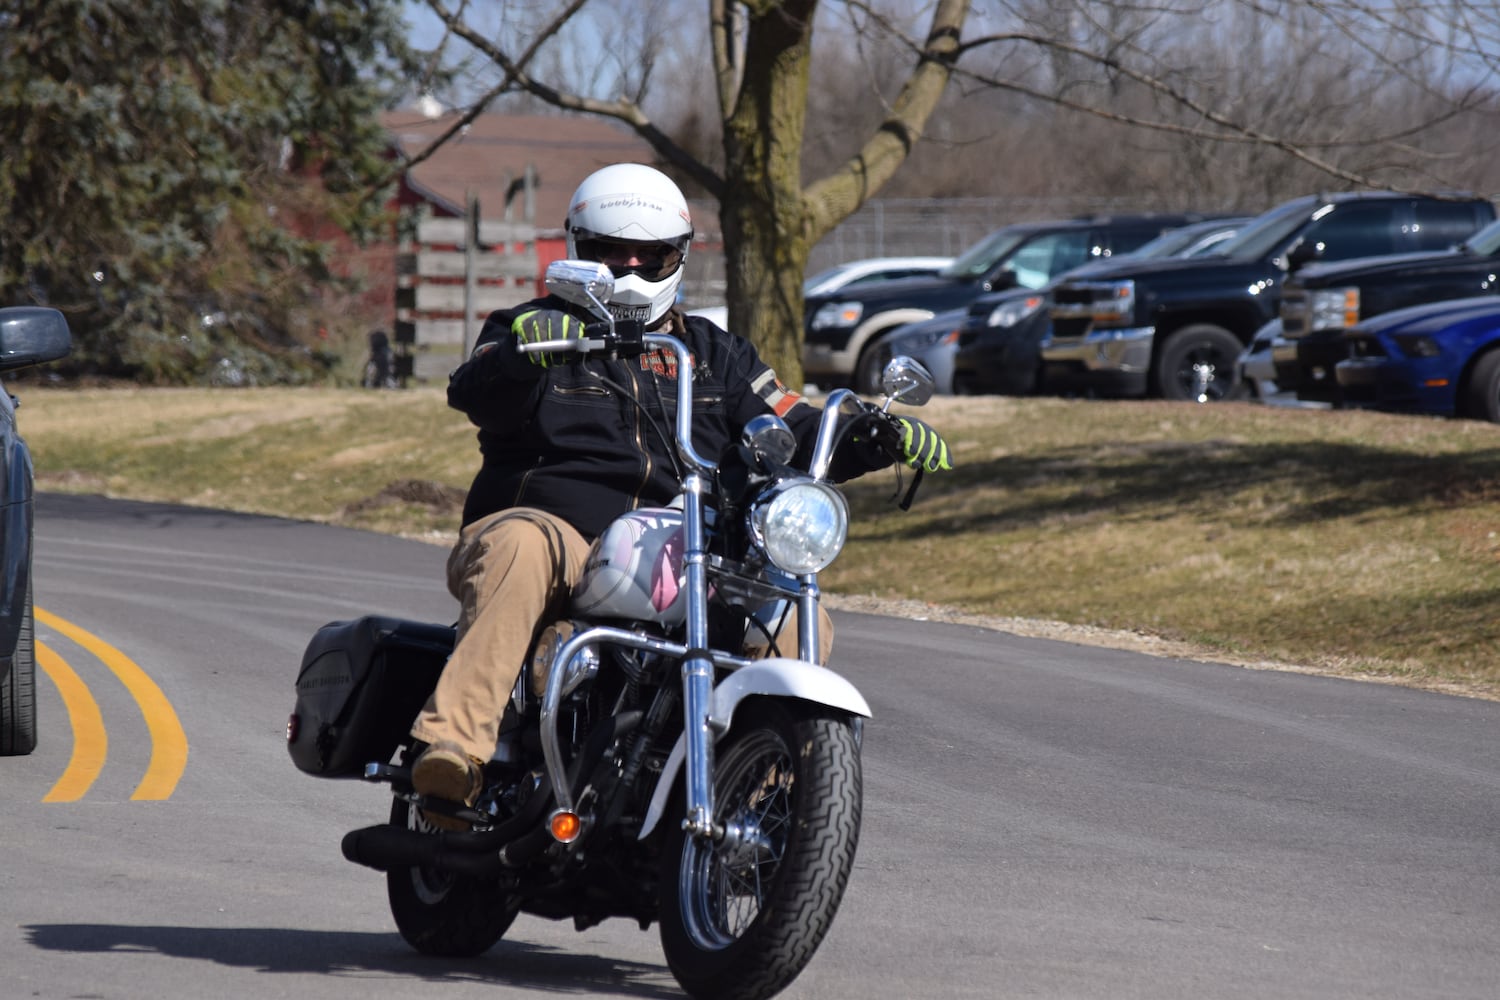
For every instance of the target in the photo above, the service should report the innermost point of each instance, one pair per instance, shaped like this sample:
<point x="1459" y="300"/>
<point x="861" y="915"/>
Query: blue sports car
<point x="1441" y="358"/>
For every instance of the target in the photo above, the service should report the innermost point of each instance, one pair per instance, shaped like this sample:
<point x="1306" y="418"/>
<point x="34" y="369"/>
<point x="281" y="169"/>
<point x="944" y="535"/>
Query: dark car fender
<point x="1473" y="339"/>
<point x="15" y="538"/>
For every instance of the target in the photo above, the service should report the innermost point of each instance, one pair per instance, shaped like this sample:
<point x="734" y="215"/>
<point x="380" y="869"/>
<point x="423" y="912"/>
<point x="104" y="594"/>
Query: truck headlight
<point x="1012" y="312"/>
<point x="1114" y="303"/>
<point x="1333" y="309"/>
<point x="838" y="314"/>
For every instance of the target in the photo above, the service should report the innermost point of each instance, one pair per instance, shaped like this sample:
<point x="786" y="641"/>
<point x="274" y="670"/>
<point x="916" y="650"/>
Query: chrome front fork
<point x="697" y="669"/>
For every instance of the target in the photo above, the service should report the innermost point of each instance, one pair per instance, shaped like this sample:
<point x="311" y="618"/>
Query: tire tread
<point x="813" y="876"/>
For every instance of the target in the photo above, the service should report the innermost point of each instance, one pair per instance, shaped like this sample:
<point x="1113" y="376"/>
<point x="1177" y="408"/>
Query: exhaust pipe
<point x="386" y="847"/>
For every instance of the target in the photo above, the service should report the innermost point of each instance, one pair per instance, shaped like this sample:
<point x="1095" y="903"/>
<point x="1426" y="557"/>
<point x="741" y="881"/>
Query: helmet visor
<point x="654" y="261"/>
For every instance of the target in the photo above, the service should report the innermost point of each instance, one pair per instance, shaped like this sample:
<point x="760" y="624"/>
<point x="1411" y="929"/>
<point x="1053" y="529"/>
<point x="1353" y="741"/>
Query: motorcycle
<point x="652" y="764"/>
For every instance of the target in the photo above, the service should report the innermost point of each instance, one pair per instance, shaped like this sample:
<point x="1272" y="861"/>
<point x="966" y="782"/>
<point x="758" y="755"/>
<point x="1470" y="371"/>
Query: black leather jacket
<point x="587" y="439"/>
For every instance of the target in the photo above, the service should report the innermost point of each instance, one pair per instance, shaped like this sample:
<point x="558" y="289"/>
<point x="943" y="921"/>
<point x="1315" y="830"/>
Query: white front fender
<point x="776" y="677"/>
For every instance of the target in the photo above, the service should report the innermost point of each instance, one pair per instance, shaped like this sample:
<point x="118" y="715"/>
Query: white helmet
<point x="631" y="211"/>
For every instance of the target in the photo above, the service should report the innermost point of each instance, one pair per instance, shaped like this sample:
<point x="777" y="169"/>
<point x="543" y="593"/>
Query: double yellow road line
<point x="169" y="746"/>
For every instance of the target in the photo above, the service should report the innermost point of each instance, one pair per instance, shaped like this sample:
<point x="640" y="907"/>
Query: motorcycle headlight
<point x="801" y="526"/>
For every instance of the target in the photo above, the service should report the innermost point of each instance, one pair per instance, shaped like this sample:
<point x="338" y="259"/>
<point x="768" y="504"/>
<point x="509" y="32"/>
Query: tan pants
<point x="512" y="573"/>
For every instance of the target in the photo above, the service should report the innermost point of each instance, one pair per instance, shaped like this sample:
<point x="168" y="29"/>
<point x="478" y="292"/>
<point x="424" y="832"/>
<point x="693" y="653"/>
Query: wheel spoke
<point x="732" y="881"/>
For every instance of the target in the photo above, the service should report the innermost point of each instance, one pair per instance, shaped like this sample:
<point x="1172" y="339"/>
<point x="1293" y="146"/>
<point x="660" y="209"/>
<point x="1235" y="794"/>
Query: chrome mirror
<point x="908" y="381"/>
<point x="584" y="283"/>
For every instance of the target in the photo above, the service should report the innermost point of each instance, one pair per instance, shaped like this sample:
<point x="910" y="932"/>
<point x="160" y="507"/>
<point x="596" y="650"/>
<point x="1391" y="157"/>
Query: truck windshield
<point x="981" y="258"/>
<point x="1486" y="242"/>
<point x="1269" y="231"/>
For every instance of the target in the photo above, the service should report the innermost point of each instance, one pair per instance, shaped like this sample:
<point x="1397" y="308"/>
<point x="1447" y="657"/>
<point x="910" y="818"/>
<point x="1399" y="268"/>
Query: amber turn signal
<point x="565" y="827"/>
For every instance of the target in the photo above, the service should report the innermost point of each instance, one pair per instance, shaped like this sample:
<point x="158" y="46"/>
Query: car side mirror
<point x="1002" y="281"/>
<point x="31" y="335"/>
<point x="1302" y="252"/>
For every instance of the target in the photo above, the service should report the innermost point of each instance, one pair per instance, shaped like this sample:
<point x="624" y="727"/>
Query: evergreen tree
<point x="170" y="169"/>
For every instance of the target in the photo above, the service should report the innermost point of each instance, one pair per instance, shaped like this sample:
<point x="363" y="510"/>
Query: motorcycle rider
<point x="569" y="442"/>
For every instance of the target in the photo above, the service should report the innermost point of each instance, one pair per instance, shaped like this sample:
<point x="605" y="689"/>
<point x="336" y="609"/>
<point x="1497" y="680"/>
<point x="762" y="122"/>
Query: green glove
<point x="546" y="324"/>
<point x="921" y="446"/>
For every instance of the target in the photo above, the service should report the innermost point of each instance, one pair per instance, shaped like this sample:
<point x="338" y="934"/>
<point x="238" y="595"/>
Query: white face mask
<point x="635" y="298"/>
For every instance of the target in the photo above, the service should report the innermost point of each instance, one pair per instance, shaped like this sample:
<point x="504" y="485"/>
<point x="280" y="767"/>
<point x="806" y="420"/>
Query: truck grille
<point x="1070" y="329"/>
<point x="1072" y="311"/>
<point x="1294" y="312"/>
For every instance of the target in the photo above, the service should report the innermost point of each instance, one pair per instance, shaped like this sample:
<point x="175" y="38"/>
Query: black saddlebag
<point x="361" y="685"/>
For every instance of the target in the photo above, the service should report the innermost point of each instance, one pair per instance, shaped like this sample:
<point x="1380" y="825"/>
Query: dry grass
<point x="1355" y="543"/>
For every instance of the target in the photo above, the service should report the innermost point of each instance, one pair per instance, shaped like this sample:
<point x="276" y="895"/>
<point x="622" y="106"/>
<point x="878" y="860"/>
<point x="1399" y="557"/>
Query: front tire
<point x="1483" y="396"/>
<point x="741" y="919"/>
<point x="1196" y="364"/>
<point x="451" y="916"/>
<point x="18" y="691"/>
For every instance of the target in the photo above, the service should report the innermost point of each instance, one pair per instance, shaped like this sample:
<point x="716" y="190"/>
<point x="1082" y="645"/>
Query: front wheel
<point x="740" y="919"/>
<point x="451" y="916"/>
<point x="1196" y="364"/>
<point x="18" y="691"/>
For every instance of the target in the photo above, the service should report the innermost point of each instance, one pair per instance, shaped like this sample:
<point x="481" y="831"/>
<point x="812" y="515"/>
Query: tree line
<point x="179" y="175"/>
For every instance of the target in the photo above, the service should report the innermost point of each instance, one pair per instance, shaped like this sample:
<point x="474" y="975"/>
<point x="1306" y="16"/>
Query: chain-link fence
<point x="901" y="227"/>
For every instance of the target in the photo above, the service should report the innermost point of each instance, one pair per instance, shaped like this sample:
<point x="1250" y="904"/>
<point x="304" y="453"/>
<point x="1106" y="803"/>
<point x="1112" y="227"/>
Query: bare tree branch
<point x="453" y="24"/>
<point x="623" y="109"/>
<point x="836" y="196"/>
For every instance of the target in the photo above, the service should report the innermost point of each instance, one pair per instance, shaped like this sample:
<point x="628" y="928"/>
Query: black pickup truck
<point x="1173" y="328"/>
<point x="847" y="332"/>
<point x="1324" y="300"/>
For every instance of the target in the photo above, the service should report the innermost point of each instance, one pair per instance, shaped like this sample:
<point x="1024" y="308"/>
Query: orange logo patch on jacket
<point x="661" y="362"/>
<point x="777" y="396"/>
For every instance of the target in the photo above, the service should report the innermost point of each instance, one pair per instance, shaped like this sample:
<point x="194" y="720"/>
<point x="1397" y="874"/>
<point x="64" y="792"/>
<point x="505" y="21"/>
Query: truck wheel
<point x="1196" y="364"/>
<point x="872" y="361"/>
<point x="1482" y="397"/>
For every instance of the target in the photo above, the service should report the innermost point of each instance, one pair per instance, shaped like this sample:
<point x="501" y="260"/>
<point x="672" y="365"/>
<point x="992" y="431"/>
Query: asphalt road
<point x="1041" y="819"/>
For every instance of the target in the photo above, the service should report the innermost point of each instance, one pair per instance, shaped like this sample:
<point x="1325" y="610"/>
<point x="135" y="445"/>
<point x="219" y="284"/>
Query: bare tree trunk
<point x="760" y="211"/>
<point x="770" y="224"/>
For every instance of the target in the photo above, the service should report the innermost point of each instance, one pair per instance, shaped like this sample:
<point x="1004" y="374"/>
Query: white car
<point x="1254" y="367"/>
<point x="858" y="272"/>
<point x="854" y="272"/>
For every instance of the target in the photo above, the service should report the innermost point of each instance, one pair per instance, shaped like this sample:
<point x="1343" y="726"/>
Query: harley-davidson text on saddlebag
<point x="361" y="684"/>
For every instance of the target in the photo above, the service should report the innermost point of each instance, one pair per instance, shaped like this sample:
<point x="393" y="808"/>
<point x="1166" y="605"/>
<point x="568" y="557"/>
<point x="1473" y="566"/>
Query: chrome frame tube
<point x="552" y="751"/>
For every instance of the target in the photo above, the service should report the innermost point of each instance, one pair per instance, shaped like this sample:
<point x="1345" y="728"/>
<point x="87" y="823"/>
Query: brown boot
<point x="444" y="771"/>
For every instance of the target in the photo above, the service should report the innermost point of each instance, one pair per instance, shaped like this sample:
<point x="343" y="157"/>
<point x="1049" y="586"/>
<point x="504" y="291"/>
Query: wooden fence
<point x="449" y="277"/>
